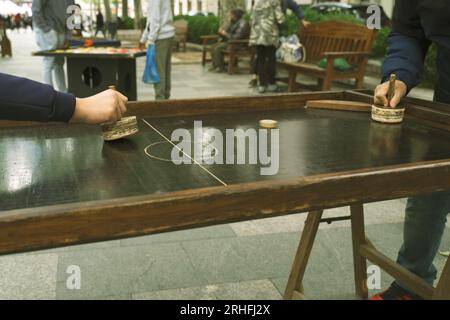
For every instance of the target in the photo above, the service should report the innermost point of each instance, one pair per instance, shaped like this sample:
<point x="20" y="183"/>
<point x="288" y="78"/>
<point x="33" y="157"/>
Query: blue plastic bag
<point x="151" y="75"/>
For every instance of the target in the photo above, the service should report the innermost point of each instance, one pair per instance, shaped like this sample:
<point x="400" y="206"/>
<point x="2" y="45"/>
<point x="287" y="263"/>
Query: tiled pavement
<point x="237" y="261"/>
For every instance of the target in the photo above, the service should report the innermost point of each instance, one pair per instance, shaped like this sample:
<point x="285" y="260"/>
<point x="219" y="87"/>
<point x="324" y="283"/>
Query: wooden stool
<point x="363" y="250"/>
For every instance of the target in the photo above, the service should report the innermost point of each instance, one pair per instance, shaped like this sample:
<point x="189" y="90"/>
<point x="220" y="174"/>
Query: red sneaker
<point x="395" y="292"/>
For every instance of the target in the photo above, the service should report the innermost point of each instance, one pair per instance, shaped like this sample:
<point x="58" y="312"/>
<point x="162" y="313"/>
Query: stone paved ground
<point x="237" y="261"/>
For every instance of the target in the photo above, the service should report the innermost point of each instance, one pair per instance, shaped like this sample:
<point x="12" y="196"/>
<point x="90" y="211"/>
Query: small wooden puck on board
<point x="123" y="128"/>
<point x="268" y="124"/>
<point x="387" y="115"/>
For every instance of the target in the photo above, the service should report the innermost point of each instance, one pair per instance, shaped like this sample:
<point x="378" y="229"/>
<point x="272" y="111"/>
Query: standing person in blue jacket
<point x="49" y="24"/>
<point x="26" y="100"/>
<point x="416" y="25"/>
<point x="298" y="12"/>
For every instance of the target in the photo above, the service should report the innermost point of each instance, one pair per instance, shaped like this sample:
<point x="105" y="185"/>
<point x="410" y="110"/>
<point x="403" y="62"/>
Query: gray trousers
<point x="164" y="62"/>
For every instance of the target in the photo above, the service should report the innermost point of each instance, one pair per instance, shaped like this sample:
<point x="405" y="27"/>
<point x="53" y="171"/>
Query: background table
<point x="92" y="70"/>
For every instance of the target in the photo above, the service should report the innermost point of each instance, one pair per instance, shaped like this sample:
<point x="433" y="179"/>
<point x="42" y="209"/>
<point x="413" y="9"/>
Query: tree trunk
<point x="137" y="13"/>
<point x="225" y="6"/>
<point x="124" y="8"/>
<point x="107" y="10"/>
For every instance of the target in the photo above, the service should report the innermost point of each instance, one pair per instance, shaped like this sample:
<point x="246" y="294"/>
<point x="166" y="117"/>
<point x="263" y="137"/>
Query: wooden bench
<point x="5" y="43"/>
<point x="332" y="40"/>
<point x="236" y="50"/>
<point x="181" y="34"/>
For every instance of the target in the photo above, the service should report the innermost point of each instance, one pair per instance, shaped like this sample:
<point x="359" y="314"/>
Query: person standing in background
<point x="266" y="17"/>
<point x="298" y="12"/>
<point x="49" y="21"/>
<point x="113" y="25"/>
<point x="160" y="32"/>
<point x="100" y="24"/>
<point x="18" y="21"/>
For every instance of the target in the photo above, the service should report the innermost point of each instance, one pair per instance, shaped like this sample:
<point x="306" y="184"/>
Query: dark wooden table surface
<point x="42" y="166"/>
<point x="61" y="185"/>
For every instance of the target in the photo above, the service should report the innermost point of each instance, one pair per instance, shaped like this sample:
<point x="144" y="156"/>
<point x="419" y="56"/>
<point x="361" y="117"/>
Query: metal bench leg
<point x="442" y="291"/>
<point x="294" y="288"/>
<point x="204" y="53"/>
<point x="358" y="239"/>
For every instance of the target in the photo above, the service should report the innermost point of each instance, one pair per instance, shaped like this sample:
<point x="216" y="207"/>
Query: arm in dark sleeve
<point x="241" y="32"/>
<point x="38" y="15"/>
<point x="408" y="45"/>
<point x="27" y="100"/>
<point x="296" y="9"/>
<point x="405" y="58"/>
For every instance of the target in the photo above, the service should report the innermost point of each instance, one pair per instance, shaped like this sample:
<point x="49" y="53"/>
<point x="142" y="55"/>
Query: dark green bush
<point x="381" y="40"/>
<point x="200" y="26"/>
<point x="126" y="23"/>
<point x="430" y="72"/>
<point x="291" y="25"/>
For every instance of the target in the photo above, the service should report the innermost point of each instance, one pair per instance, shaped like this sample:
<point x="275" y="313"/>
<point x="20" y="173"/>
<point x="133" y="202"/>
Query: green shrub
<point x="200" y="26"/>
<point x="126" y="23"/>
<point x="381" y="41"/>
<point x="430" y="71"/>
<point x="291" y="25"/>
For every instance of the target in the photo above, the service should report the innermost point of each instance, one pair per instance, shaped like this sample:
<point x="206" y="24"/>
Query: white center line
<point x="195" y="161"/>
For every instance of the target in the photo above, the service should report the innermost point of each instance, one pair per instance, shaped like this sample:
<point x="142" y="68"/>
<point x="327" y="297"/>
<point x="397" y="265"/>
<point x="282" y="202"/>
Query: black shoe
<point x="253" y="83"/>
<point x="395" y="292"/>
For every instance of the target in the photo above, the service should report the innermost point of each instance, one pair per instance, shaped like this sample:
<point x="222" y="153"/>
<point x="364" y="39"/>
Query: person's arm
<point x="26" y="100"/>
<point x="296" y="9"/>
<point x="279" y="15"/>
<point x="241" y="32"/>
<point x="38" y="15"/>
<point x="154" y="17"/>
<point x="408" y="47"/>
<point x="405" y="58"/>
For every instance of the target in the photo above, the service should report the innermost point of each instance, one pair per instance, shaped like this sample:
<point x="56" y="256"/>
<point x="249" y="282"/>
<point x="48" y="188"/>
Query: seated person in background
<point x="238" y="29"/>
<point x="26" y="100"/>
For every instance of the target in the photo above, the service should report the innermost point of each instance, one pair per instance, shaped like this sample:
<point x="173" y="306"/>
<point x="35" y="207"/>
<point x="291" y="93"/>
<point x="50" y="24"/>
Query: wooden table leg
<point x="442" y="291"/>
<point x="294" y="288"/>
<point x="292" y="81"/>
<point x="358" y="239"/>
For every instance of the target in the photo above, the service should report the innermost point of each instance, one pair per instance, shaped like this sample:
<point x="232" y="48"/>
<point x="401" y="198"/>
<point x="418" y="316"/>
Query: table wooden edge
<point x="77" y="223"/>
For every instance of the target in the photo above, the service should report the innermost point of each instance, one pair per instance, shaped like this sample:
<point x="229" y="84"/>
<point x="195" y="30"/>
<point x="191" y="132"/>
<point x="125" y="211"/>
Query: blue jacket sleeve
<point x="296" y="9"/>
<point x="405" y="58"/>
<point x="27" y="100"/>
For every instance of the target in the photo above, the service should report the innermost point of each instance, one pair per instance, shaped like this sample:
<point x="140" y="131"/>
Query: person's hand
<point x="106" y="107"/>
<point x="306" y="23"/>
<point x="381" y="94"/>
<point x="142" y="45"/>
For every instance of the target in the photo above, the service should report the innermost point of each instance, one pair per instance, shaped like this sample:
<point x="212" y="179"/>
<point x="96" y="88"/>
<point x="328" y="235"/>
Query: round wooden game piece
<point x="388" y="115"/>
<point x="126" y="127"/>
<point x="123" y="128"/>
<point x="268" y="124"/>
